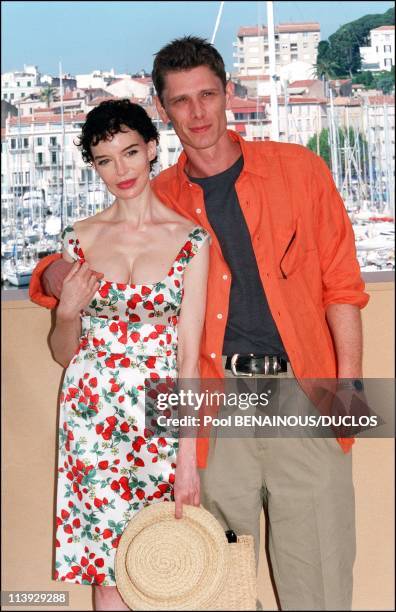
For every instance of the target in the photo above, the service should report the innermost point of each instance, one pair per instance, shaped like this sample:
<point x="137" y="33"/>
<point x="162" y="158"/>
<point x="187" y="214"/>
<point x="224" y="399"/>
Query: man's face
<point x="195" y="102"/>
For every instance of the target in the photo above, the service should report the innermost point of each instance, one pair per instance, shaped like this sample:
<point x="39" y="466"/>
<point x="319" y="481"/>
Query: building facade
<point x="293" y="42"/>
<point x="380" y="55"/>
<point x="17" y="85"/>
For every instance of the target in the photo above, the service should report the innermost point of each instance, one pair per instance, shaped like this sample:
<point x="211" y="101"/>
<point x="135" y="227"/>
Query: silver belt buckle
<point x="233" y="366"/>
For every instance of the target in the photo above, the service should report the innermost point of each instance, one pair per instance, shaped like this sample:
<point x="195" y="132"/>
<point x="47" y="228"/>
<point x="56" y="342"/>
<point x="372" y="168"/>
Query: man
<point x="284" y="299"/>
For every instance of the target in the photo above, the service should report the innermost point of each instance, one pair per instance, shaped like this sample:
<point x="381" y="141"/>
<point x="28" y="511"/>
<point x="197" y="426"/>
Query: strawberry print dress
<point x="110" y="464"/>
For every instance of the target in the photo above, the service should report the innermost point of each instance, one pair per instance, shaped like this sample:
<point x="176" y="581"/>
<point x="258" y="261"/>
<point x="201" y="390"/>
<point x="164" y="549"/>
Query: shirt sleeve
<point x="36" y="291"/>
<point x="342" y="282"/>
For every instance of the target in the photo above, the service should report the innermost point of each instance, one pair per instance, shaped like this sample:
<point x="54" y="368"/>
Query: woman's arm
<point x="79" y="287"/>
<point x="192" y="316"/>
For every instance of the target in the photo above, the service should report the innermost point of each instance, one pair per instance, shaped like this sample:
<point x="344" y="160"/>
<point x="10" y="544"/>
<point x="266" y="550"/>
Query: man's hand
<point x="78" y="289"/>
<point x="53" y="277"/>
<point x="187" y="483"/>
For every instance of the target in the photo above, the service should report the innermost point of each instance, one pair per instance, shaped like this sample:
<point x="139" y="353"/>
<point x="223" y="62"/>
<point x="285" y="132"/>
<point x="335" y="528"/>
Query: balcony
<point x="31" y="382"/>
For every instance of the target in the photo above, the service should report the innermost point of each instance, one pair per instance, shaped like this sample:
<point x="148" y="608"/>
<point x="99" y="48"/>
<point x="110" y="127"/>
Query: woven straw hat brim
<point x="163" y="563"/>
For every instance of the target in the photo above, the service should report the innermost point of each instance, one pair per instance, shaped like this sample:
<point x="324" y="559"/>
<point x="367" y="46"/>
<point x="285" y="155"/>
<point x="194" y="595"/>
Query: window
<point x="376" y="49"/>
<point x="25" y="143"/>
<point x="54" y="158"/>
<point x="305" y="45"/>
<point x="22" y="94"/>
<point x="294" y="56"/>
<point x="27" y="177"/>
<point x="293" y="47"/>
<point x="39" y="141"/>
<point x="18" y="84"/>
<point x="39" y="159"/>
<point x="13" y="143"/>
<point x="53" y="141"/>
<point x="387" y="48"/>
<point x="388" y="62"/>
<point x="29" y="83"/>
<point x="11" y="96"/>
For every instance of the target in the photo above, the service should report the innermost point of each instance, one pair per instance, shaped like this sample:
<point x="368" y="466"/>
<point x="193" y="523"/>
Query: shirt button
<point x="225" y="276"/>
<point x="198" y="210"/>
<point x="213" y="355"/>
<point x="219" y="316"/>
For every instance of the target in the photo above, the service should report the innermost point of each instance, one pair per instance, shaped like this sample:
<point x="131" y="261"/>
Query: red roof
<point x="296" y="100"/>
<point x="242" y="104"/>
<point x="143" y="80"/>
<point x="306" y="83"/>
<point x="385" y="27"/>
<point x="312" y="26"/>
<point x="49" y="118"/>
<point x="345" y="101"/>
<point x="388" y="100"/>
<point x="252" y="77"/>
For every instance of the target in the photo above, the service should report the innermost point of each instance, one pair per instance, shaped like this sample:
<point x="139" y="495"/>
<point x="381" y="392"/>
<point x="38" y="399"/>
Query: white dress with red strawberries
<point x="110" y="462"/>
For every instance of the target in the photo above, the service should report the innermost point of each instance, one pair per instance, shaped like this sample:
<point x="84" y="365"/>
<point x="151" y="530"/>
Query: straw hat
<point x="163" y="563"/>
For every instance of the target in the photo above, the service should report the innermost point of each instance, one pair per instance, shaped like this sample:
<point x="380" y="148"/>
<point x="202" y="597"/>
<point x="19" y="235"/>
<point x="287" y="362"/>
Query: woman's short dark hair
<point x="107" y="119"/>
<point x="183" y="54"/>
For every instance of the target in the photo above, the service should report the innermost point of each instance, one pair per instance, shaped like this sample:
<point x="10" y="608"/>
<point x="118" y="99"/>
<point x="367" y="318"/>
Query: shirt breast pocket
<point x="296" y="252"/>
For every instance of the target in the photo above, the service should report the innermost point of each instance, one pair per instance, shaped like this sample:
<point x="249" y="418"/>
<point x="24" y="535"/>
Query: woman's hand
<point x="78" y="289"/>
<point x="187" y="482"/>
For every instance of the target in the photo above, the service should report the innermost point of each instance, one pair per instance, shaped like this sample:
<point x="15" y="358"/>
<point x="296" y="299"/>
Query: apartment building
<point x="380" y="55"/>
<point x="19" y="84"/>
<point x="293" y="42"/>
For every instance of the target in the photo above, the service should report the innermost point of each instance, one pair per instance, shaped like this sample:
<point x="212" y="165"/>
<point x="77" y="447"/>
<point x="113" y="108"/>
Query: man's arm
<point x="345" y="323"/>
<point x="37" y="292"/>
<point x="47" y="280"/>
<point x="53" y="277"/>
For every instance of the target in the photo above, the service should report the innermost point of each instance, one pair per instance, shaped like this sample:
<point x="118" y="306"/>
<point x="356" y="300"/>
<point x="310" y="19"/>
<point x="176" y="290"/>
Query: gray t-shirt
<point x="250" y="325"/>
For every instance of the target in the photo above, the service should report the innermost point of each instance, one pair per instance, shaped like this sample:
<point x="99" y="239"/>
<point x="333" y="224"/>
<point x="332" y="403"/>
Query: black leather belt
<point x="248" y="365"/>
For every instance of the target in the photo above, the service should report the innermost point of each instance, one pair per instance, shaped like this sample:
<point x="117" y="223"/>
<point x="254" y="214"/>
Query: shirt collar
<point x="254" y="161"/>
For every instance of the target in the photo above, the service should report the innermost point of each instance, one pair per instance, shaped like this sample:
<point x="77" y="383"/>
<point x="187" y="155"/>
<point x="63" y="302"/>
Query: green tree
<point x="324" y="147"/>
<point x="47" y="95"/>
<point x="364" y="78"/>
<point x="325" y="153"/>
<point x="343" y="46"/>
<point x="325" y="66"/>
<point x="385" y="80"/>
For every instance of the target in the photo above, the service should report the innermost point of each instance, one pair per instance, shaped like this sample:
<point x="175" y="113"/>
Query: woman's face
<point x="123" y="162"/>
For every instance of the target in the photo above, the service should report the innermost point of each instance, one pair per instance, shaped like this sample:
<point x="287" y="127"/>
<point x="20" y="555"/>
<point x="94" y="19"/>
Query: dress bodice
<point x="155" y="303"/>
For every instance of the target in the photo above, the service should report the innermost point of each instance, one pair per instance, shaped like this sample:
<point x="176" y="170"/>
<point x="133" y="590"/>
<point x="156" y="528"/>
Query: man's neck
<point x="202" y="163"/>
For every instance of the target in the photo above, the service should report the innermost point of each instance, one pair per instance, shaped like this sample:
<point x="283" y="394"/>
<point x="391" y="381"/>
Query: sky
<point x="85" y="36"/>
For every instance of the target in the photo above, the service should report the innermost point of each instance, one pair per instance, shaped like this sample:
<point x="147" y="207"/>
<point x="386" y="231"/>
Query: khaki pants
<point x="306" y="486"/>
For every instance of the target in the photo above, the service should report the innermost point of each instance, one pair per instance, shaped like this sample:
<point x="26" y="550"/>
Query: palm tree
<point x="325" y="67"/>
<point x="47" y="95"/>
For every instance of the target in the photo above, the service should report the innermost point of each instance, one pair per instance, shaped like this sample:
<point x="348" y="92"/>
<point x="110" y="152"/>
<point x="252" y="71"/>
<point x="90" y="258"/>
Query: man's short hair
<point x="184" y="54"/>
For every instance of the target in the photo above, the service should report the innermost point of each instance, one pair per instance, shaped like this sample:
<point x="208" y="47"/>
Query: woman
<point x="139" y="319"/>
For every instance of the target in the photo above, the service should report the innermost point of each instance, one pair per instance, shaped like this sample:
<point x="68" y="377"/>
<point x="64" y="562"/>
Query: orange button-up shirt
<point x="304" y="246"/>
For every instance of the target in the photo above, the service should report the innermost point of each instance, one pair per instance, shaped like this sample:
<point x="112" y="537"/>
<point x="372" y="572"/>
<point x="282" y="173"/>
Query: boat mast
<point x="272" y="72"/>
<point x="216" y="27"/>
<point x="63" y="212"/>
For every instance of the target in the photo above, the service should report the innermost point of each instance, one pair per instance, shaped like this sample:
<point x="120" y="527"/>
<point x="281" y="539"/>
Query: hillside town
<point x="46" y="185"/>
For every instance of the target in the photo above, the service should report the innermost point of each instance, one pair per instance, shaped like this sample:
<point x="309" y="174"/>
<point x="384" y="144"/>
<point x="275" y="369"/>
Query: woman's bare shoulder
<point x="90" y="223"/>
